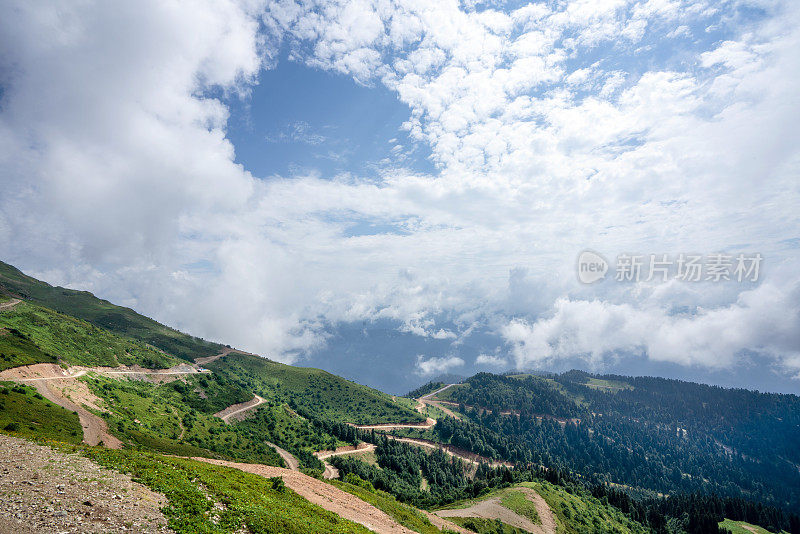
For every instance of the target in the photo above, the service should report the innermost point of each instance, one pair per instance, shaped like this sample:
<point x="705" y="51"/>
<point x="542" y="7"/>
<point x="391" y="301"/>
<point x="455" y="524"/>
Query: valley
<point x="229" y="441"/>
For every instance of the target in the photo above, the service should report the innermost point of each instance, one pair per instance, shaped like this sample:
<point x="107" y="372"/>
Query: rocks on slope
<point x="43" y="490"/>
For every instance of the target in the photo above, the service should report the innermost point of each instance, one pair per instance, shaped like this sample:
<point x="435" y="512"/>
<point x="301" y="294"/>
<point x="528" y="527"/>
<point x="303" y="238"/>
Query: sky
<point x="397" y="190"/>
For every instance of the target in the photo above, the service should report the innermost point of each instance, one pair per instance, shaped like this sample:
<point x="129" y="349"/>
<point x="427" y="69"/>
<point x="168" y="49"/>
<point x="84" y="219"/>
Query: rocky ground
<point x="47" y="491"/>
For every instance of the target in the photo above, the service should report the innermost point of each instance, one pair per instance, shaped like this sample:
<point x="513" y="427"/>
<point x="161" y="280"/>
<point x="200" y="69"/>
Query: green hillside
<point x="16" y="349"/>
<point x="313" y="391"/>
<point x="35" y="334"/>
<point x="99" y="312"/>
<point x="27" y="414"/>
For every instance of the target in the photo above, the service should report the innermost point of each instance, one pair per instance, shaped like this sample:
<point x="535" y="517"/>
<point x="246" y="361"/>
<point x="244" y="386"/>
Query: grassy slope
<point x="486" y="526"/>
<point x="738" y="527"/>
<point x="117" y="319"/>
<point x="162" y="416"/>
<point x="17" y="349"/>
<point x="73" y="340"/>
<point x="27" y="414"/>
<point x="313" y="391"/>
<point x="518" y="502"/>
<point x="406" y="515"/>
<point x="192" y="488"/>
<point x="575" y="513"/>
<point x="583" y="513"/>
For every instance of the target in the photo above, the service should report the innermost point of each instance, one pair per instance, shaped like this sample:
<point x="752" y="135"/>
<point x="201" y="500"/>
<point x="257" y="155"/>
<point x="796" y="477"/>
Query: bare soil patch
<point x="9" y="304"/>
<point x="237" y="412"/>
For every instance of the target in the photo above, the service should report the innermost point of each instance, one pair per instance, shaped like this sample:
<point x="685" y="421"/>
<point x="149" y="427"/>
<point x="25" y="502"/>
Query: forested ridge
<point x="656" y="434"/>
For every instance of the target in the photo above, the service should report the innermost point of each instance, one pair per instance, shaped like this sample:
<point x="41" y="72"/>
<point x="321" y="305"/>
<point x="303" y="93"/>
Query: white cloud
<point x="434" y="365"/>
<point x="117" y="174"/>
<point x="761" y="320"/>
<point x="491" y="360"/>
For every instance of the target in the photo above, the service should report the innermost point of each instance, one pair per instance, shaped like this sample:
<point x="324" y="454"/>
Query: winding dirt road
<point x="237" y="411"/>
<point x="341" y="451"/>
<point x="227" y="350"/>
<point x="428" y="399"/>
<point x="9" y="304"/>
<point x="291" y="461"/>
<point x="429" y="423"/>
<point x="60" y="387"/>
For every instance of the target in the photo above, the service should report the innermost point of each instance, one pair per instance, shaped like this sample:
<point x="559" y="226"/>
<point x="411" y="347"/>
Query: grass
<point x="486" y="526"/>
<point x="738" y="527"/>
<point x="405" y="402"/>
<point x="313" y="391"/>
<point x="607" y="385"/>
<point x="578" y="512"/>
<point x="17" y="349"/>
<point x="518" y="502"/>
<point x="210" y="393"/>
<point x="406" y="515"/>
<point x="25" y="413"/>
<point x="75" y="341"/>
<point x="101" y="313"/>
<point x="447" y="395"/>
<point x="437" y="413"/>
<point x="248" y="502"/>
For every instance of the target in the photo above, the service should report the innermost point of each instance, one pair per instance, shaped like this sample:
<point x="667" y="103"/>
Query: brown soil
<point x="325" y="495"/>
<point x="47" y="491"/>
<point x="465" y="455"/>
<point x="208" y="359"/>
<point x="291" y="461"/>
<point x="429" y="423"/>
<point x="237" y="412"/>
<point x="492" y="509"/>
<point x="9" y="304"/>
<point x="348" y="449"/>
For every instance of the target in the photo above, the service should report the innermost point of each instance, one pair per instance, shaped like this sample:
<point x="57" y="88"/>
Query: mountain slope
<point x="101" y="313"/>
<point x="314" y="392"/>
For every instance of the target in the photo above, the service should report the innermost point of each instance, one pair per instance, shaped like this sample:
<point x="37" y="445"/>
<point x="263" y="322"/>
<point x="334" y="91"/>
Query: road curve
<point x="434" y="393"/>
<point x="239" y="408"/>
<point x="291" y="461"/>
<point x="429" y="423"/>
<point x="367" y="447"/>
<point x="10" y="304"/>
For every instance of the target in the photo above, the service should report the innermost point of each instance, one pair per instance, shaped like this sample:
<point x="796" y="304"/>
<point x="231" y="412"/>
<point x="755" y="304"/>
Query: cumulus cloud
<point x="762" y="320"/>
<point x="434" y="365"/>
<point x="554" y="127"/>
<point x="491" y="360"/>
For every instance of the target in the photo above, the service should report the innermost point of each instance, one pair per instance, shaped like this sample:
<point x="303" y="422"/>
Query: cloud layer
<point x="624" y="126"/>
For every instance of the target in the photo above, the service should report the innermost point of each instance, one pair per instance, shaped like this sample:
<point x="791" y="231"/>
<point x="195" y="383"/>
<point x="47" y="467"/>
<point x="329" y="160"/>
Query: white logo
<point x="591" y="267"/>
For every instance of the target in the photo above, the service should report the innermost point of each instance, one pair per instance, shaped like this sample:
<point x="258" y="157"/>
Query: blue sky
<point x="300" y="120"/>
<point x="290" y="177"/>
